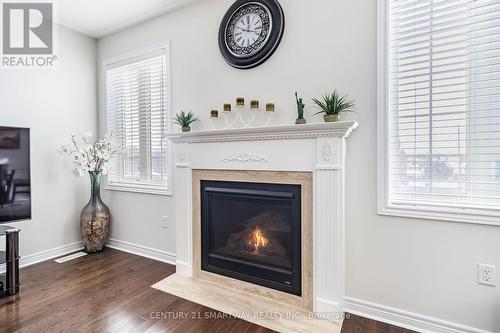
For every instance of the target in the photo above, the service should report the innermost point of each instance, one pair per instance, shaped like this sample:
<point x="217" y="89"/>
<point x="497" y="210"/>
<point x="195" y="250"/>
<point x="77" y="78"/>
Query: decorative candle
<point x="269" y="107"/>
<point x="214" y="113"/>
<point x="254" y="105"/>
<point x="227" y="107"/>
<point x="240" y="101"/>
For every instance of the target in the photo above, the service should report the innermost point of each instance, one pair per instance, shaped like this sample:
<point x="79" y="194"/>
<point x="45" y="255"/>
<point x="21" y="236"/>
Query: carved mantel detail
<point x="327" y="151"/>
<point x="245" y="157"/>
<point x="181" y="154"/>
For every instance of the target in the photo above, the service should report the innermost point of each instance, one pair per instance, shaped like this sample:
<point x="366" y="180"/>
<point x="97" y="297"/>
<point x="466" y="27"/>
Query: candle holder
<point x="254" y="105"/>
<point x="270" y="107"/>
<point x="242" y="117"/>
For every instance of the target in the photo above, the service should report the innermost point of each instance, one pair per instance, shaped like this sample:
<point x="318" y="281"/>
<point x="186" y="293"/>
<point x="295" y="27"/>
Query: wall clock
<point x="250" y="32"/>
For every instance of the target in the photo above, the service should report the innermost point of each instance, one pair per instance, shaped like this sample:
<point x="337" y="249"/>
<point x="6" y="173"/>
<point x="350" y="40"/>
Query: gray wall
<point x="53" y="103"/>
<point x="425" y="267"/>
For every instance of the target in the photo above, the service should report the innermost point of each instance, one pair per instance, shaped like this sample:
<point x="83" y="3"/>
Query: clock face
<point x="248" y="30"/>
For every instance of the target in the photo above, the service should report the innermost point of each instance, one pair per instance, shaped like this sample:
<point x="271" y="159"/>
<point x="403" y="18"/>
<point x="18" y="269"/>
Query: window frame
<point x="123" y="59"/>
<point x="384" y="206"/>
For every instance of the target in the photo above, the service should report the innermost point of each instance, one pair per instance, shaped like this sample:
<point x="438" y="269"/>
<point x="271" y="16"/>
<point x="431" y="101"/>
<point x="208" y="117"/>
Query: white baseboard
<point x="36" y="258"/>
<point x="183" y="269"/>
<point x="405" y="319"/>
<point x="142" y="251"/>
<point x="139" y="250"/>
<point x="324" y="306"/>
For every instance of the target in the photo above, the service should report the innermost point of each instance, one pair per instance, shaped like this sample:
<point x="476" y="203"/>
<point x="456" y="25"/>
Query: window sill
<point x="139" y="189"/>
<point x="474" y="216"/>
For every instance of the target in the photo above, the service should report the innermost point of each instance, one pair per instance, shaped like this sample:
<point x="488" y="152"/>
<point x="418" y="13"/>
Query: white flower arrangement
<point x="90" y="157"/>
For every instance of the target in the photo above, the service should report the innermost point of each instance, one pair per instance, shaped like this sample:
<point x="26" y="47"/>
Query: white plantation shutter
<point x="138" y="119"/>
<point x="443" y="99"/>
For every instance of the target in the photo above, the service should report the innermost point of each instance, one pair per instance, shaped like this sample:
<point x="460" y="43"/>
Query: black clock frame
<point x="278" y="19"/>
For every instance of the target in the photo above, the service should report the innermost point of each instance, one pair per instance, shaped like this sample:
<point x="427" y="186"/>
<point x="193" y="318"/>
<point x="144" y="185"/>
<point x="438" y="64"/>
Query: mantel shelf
<point x="283" y="132"/>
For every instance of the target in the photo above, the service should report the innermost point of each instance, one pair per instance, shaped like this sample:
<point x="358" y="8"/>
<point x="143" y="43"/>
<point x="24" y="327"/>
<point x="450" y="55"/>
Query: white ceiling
<point x="98" y="18"/>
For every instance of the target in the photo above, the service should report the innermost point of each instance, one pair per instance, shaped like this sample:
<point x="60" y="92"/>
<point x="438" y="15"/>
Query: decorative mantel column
<point x="316" y="148"/>
<point x="329" y="225"/>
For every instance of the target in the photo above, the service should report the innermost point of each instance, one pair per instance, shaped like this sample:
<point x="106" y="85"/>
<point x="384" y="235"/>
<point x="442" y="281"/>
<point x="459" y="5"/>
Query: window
<point x="439" y="109"/>
<point x="138" y="119"/>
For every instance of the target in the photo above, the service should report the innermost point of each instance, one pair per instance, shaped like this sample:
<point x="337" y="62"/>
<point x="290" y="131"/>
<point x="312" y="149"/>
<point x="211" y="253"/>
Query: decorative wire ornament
<point x="241" y="117"/>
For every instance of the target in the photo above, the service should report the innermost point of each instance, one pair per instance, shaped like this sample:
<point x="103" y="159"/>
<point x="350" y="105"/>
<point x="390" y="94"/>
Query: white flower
<point x="64" y="149"/>
<point x="90" y="157"/>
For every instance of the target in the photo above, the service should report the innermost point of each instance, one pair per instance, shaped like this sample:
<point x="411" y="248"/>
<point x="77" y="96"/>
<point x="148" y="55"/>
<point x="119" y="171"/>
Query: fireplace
<point x="263" y="155"/>
<point x="252" y="232"/>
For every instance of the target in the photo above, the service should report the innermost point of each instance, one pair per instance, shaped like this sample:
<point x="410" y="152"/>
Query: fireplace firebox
<point x="252" y="232"/>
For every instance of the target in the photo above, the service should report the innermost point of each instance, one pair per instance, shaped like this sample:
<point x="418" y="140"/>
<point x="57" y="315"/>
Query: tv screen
<point x="15" y="182"/>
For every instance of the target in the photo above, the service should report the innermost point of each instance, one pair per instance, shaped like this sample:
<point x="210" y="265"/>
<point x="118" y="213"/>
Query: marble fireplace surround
<point x="304" y="179"/>
<point x="315" y="149"/>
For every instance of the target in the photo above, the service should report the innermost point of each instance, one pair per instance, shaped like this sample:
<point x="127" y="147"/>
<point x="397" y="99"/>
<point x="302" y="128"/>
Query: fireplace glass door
<point x="251" y="232"/>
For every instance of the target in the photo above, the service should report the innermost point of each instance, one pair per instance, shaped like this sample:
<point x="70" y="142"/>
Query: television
<point x="15" y="179"/>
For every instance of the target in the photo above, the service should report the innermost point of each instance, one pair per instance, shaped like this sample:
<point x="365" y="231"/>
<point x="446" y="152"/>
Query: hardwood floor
<point x="357" y="324"/>
<point x="110" y="292"/>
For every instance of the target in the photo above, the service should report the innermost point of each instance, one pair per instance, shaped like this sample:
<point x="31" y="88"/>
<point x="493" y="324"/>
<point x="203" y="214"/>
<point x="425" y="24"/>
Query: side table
<point x="9" y="280"/>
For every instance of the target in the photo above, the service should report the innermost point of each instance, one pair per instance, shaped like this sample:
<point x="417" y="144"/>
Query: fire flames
<point x="258" y="240"/>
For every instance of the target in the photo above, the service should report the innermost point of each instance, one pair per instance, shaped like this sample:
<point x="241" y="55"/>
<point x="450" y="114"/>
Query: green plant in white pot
<point x="334" y="106"/>
<point x="185" y="119"/>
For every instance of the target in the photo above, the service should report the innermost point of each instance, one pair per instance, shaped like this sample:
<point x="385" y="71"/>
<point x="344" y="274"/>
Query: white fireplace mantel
<point x="340" y="129"/>
<point x="316" y="148"/>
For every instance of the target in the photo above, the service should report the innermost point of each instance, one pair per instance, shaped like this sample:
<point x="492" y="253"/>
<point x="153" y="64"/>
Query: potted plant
<point x="92" y="159"/>
<point x="333" y="106"/>
<point x="185" y="119"/>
